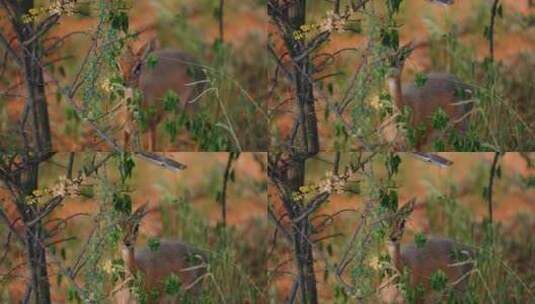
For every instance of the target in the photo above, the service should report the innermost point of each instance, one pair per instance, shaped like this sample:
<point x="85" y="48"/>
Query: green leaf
<point x="439" y="119"/>
<point x="393" y="161"/>
<point x="122" y="203"/>
<point x="126" y="165"/>
<point x="170" y="101"/>
<point x="153" y="243"/>
<point x="390" y="38"/>
<point x="389" y="200"/>
<point x="499" y="11"/>
<point x="394" y="5"/>
<point x="171" y="128"/>
<point x="486" y="32"/>
<point x="152" y="60"/>
<point x="172" y="285"/>
<point x="420" y="239"/>
<point x="439" y="280"/>
<point x="70" y="114"/>
<point x="439" y="145"/>
<point x="119" y="21"/>
<point x="485" y="192"/>
<point x="420" y="79"/>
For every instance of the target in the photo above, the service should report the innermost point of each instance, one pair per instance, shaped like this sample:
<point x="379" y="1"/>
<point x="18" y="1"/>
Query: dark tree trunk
<point x="36" y="98"/>
<point x="301" y="232"/>
<point x="38" y="143"/>
<point x="303" y="145"/>
<point x="308" y="139"/>
<point x="38" y="266"/>
<point x="36" y="254"/>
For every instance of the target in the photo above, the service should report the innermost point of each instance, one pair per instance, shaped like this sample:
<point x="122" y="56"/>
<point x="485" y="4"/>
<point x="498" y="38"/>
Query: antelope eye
<point x="136" y="70"/>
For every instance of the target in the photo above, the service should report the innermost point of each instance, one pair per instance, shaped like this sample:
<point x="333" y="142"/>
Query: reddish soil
<point x="239" y="23"/>
<point x="151" y="184"/>
<point x="510" y="200"/>
<point x="507" y="46"/>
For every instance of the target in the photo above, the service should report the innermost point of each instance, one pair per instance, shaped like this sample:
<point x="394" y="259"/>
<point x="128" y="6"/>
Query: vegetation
<point x="353" y="45"/>
<point x="84" y="232"/>
<point x="350" y="228"/>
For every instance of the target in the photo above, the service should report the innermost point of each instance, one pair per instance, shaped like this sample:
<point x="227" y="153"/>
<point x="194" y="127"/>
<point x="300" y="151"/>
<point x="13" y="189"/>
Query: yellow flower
<point x="34" y="11"/>
<point x="107" y="267"/>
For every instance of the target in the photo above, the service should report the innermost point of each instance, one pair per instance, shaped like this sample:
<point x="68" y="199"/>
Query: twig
<point x="5" y="44"/>
<point x="433" y="159"/>
<point x="491" y="184"/>
<point x="223" y="194"/>
<point x="221" y="15"/>
<point x="491" y="28"/>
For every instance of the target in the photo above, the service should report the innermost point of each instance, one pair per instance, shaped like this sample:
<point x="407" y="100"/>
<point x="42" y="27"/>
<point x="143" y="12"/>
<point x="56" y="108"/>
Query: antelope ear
<point x="141" y="211"/>
<point x="408" y="208"/>
<point x="145" y="50"/>
<point x="404" y="52"/>
<point x="130" y="50"/>
<point x="411" y="204"/>
<point x="402" y="223"/>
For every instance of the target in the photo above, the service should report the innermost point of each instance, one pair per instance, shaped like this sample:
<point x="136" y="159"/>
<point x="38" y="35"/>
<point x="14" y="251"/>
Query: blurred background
<point x="232" y="114"/>
<point x="450" y="39"/>
<point x="185" y="206"/>
<point x="451" y="202"/>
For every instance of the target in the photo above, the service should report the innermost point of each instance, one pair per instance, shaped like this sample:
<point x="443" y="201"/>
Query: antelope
<point x="174" y="70"/>
<point x="454" y="259"/>
<point x="440" y="91"/>
<point x="171" y="257"/>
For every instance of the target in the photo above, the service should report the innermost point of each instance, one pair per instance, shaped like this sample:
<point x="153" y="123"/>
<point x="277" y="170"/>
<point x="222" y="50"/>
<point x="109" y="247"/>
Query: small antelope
<point x="157" y="264"/>
<point x="437" y="254"/>
<point x="440" y="91"/>
<point x="174" y="71"/>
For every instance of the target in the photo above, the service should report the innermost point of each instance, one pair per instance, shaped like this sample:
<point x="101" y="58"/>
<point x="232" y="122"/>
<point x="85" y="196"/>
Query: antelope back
<point x="448" y="256"/>
<point x="171" y="257"/>
<point x="172" y="70"/>
<point x="440" y="90"/>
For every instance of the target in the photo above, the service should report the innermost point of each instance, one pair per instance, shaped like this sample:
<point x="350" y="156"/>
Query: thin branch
<point x="273" y="218"/>
<point x="312" y="206"/>
<point x="223" y="194"/>
<point x="220" y="17"/>
<point x="491" y="28"/>
<point x="490" y="186"/>
<point x="7" y="46"/>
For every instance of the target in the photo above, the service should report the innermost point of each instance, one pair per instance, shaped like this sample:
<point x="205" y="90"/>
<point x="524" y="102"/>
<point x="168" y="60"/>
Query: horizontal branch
<point x="312" y="206"/>
<point x="10" y="51"/>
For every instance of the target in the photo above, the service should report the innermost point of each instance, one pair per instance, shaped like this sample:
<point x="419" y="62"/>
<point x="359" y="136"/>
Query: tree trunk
<point x="36" y="98"/>
<point x="308" y="126"/>
<point x="36" y="253"/>
<point x="38" y="266"/>
<point x="301" y="233"/>
<point x="305" y="262"/>
<point x="39" y="143"/>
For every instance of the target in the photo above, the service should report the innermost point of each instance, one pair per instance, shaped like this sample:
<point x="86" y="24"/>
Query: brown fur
<point x="171" y="257"/>
<point x="441" y="90"/>
<point x="174" y="70"/>
<point x="451" y="257"/>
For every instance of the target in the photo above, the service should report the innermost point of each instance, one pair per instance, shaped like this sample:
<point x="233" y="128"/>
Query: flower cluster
<point x="59" y="7"/>
<point x="330" y="184"/>
<point x="304" y="31"/>
<point x="63" y="7"/>
<point x="33" y="14"/>
<point x="333" y="22"/>
<point x="63" y="188"/>
<point x="106" y="85"/>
